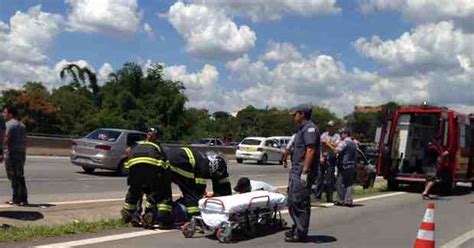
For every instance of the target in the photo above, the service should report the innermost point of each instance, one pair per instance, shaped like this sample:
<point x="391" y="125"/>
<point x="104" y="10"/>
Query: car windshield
<point x="252" y="142"/>
<point x="104" y="135"/>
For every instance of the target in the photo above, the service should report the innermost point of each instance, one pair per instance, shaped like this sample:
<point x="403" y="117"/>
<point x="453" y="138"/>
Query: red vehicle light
<point x="74" y="143"/>
<point x="103" y="147"/>
<point x="238" y="147"/>
<point x="260" y="149"/>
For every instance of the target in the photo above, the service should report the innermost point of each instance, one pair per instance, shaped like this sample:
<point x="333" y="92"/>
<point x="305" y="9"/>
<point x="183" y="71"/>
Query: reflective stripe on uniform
<point x="151" y="144"/>
<point x="148" y="205"/>
<point x="182" y="172"/>
<point x="146" y="160"/>
<point x="192" y="210"/>
<point x="128" y="206"/>
<point x="164" y="207"/>
<point x="190" y="155"/>
<point x="224" y="180"/>
<point x="201" y="181"/>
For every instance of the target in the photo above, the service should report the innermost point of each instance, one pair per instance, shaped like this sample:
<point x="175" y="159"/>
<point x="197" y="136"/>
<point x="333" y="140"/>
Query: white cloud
<point x="210" y="33"/>
<point x="426" y="11"/>
<point x="281" y="52"/>
<point x="201" y="87"/>
<point x="112" y="16"/>
<point x="24" y="44"/>
<point x="426" y="48"/>
<point x="265" y="10"/>
<point x="104" y="72"/>
<point x="147" y="28"/>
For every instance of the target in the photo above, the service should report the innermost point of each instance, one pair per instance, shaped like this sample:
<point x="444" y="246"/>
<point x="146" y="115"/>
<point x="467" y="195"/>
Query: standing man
<point x="2" y="136"/>
<point x="15" y="155"/>
<point x="326" y="180"/>
<point x="148" y="174"/>
<point x="347" y="155"/>
<point x="304" y="167"/>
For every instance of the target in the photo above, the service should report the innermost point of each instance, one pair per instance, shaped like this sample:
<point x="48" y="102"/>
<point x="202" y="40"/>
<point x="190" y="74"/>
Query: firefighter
<point x="190" y="169"/>
<point x="149" y="174"/>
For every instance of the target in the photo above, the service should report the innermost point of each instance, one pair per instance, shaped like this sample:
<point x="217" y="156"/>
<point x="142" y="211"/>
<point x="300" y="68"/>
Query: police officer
<point x="191" y="168"/>
<point x="346" y="155"/>
<point x="148" y="174"/>
<point x="302" y="173"/>
<point x="326" y="180"/>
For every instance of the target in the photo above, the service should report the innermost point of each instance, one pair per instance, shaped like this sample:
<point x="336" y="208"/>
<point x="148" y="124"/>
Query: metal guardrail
<point x="65" y="143"/>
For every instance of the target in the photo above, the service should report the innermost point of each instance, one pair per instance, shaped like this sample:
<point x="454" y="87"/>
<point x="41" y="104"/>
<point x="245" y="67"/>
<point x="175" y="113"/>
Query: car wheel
<point x="264" y="160"/>
<point x="392" y="185"/>
<point x="88" y="170"/>
<point x="239" y="160"/>
<point x="121" y="170"/>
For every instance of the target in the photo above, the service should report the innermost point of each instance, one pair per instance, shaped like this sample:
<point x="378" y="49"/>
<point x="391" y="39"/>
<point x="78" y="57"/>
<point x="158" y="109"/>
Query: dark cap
<point x="303" y="108"/>
<point x="243" y="185"/>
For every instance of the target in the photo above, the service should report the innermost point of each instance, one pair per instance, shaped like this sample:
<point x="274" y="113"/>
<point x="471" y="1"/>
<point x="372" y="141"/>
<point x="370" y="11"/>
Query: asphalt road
<point x="386" y="222"/>
<point x="57" y="180"/>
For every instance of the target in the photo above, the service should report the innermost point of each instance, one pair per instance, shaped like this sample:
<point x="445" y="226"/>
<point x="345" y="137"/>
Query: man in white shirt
<point x="326" y="181"/>
<point x="245" y="185"/>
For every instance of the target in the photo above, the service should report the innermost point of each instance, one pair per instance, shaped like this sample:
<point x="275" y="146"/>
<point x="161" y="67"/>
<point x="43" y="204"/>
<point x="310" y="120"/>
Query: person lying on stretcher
<point x="245" y="185"/>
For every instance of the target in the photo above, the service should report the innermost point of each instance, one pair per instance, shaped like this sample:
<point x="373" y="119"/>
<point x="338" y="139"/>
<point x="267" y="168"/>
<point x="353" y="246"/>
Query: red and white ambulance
<point x="405" y="137"/>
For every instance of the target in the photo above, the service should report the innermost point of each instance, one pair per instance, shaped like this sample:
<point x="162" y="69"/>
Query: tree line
<point x="132" y="99"/>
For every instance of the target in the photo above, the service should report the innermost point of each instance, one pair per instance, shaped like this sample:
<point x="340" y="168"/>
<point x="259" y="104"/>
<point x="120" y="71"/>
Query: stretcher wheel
<point x="224" y="234"/>
<point x="188" y="230"/>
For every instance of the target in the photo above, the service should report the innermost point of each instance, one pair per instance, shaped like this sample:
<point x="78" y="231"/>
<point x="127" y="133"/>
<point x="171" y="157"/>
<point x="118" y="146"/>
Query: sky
<point x="265" y="53"/>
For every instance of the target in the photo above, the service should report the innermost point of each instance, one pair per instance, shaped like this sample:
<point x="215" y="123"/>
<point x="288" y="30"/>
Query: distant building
<point x="367" y="109"/>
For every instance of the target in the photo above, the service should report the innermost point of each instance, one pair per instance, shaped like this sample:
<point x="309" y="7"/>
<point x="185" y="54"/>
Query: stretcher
<point x="246" y="213"/>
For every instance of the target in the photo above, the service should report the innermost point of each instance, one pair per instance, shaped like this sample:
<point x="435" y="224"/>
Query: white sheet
<point x="217" y="210"/>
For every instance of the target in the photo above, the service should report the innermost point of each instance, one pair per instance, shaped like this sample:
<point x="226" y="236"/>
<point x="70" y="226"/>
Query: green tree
<point x="82" y="76"/>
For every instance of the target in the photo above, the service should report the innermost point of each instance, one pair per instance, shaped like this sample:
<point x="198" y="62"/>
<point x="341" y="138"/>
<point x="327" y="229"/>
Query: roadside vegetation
<point x="30" y="233"/>
<point x="136" y="99"/>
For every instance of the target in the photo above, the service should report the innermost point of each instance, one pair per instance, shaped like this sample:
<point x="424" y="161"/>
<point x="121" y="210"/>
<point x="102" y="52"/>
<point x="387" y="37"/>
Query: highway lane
<point x="385" y="222"/>
<point x="56" y="179"/>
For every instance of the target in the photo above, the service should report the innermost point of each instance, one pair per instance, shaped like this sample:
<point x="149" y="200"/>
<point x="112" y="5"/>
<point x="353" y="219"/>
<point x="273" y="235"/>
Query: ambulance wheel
<point x="224" y="234"/>
<point x="188" y="230"/>
<point x="392" y="185"/>
<point x="239" y="160"/>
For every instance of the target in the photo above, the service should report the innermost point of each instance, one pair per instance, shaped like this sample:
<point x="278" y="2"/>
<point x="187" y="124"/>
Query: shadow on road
<point x="22" y="215"/>
<point x="320" y="239"/>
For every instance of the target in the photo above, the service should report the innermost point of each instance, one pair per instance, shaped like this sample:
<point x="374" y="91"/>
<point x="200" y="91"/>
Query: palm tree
<point x="80" y="75"/>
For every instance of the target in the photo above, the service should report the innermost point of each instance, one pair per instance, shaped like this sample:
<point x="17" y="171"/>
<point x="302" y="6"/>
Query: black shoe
<point x="126" y="216"/>
<point x="289" y="234"/>
<point x="338" y="203"/>
<point x="349" y="205"/>
<point x="148" y="220"/>
<point x="136" y="221"/>
<point x="295" y="239"/>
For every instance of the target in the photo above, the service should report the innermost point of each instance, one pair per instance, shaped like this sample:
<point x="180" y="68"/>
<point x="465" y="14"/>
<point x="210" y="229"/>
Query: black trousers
<point x="14" y="166"/>
<point x="326" y="180"/>
<point x="155" y="183"/>
<point x="299" y="205"/>
<point x="192" y="193"/>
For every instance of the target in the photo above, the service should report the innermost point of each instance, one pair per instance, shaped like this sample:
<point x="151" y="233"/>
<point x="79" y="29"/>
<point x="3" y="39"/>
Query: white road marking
<point x="459" y="240"/>
<point x="104" y="239"/>
<point x="150" y="232"/>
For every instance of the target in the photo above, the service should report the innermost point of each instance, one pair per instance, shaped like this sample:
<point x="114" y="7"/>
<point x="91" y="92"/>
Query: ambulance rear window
<point x="251" y="142"/>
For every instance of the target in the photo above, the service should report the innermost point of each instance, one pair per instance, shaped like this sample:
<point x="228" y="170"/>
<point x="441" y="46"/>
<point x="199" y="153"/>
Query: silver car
<point x="104" y="149"/>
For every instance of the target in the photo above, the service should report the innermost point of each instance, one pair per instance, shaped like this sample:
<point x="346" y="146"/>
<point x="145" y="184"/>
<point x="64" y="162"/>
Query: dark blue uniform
<point x="299" y="194"/>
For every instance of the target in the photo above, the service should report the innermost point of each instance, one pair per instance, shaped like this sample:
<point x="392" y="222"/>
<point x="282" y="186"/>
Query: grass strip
<point x="29" y="233"/>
